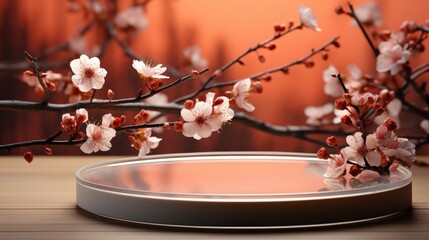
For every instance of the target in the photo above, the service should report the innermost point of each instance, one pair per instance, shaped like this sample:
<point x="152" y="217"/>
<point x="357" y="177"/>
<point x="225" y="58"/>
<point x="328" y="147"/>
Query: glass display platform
<point x="243" y="190"/>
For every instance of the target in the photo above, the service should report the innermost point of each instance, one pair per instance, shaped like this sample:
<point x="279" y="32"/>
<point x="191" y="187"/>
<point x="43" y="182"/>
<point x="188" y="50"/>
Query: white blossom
<point x="87" y="73"/>
<point x="132" y="18"/>
<point x="146" y="71"/>
<point x="240" y="92"/>
<point x="315" y="115"/>
<point x="308" y="19"/>
<point x="99" y="137"/>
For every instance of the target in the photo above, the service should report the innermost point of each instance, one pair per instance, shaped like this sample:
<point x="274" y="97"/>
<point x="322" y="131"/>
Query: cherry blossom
<point x="240" y="94"/>
<point x="332" y="86"/>
<point x="144" y="142"/>
<point x="133" y="18"/>
<point x="315" y="115"/>
<point x="361" y="99"/>
<point x="99" y="137"/>
<point x="146" y="71"/>
<point x="369" y="14"/>
<point x="222" y="109"/>
<point x="199" y="121"/>
<point x="393" y="146"/>
<point x="87" y="73"/>
<point x="308" y="19"/>
<point x="355" y="81"/>
<point x="392" y="56"/>
<point x="336" y="166"/>
<point x="358" y="149"/>
<point x="81" y="115"/>
<point x="425" y="125"/>
<point x="193" y="55"/>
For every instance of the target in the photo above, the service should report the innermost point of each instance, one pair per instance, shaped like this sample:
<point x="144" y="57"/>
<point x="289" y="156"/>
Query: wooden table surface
<point x="37" y="201"/>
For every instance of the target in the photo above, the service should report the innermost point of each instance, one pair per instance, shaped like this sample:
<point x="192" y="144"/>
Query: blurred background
<point x="222" y="29"/>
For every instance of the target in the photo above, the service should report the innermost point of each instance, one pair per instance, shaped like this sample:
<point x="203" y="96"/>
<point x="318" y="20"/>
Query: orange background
<point x="223" y="29"/>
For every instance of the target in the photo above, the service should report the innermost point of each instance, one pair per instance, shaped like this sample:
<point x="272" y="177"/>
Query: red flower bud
<point x="390" y="124"/>
<point x="178" y="126"/>
<point x="195" y="73"/>
<point x="257" y="87"/>
<point x="309" y="64"/>
<point x="116" y="122"/>
<point x="270" y="46"/>
<point x="331" y="141"/>
<point x="355" y="170"/>
<point x="346" y="120"/>
<point x="340" y="104"/>
<point x="339" y="10"/>
<point x="322" y="153"/>
<point x="189" y="104"/>
<point x="261" y="58"/>
<point x="47" y="150"/>
<point x="110" y="94"/>
<point x="28" y="156"/>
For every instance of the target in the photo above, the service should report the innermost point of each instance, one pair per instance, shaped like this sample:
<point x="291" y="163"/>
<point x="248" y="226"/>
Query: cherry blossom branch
<point x="204" y="85"/>
<point x="273" y="70"/>
<point x="362" y="28"/>
<point x="300" y="132"/>
<point x="33" y="62"/>
<point x="126" y="103"/>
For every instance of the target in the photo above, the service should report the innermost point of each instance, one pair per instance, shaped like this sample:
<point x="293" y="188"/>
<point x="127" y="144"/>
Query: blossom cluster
<point x="365" y="108"/>
<point x="371" y="103"/>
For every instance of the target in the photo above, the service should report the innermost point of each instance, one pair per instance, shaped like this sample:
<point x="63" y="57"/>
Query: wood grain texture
<point x="37" y="201"/>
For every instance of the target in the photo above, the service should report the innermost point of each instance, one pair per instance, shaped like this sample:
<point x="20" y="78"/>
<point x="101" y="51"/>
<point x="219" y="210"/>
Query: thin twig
<point x="362" y="28"/>
<point x="33" y="62"/>
<point x="204" y="85"/>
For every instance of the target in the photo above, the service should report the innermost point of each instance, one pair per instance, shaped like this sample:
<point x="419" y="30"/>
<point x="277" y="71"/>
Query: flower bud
<point x="278" y="28"/>
<point x="166" y="125"/>
<point x="339" y="10"/>
<point x="331" y="141"/>
<point x="270" y="46"/>
<point x="340" y="104"/>
<point x="336" y="44"/>
<point x="309" y="64"/>
<point x="261" y="58"/>
<point x="178" y="126"/>
<point x="28" y="156"/>
<point x="266" y="77"/>
<point x="355" y="170"/>
<point x="116" y="122"/>
<point x="378" y="109"/>
<point x="257" y="87"/>
<point x="28" y="73"/>
<point x="290" y="24"/>
<point x="47" y="150"/>
<point x="346" y="120"/>
<point x="390" y="124"/>
<point x="385" y="35"/>
<point x="322" y="153"/>
<point x="325" y="55"/>
<point x="195" y="73"/>
<point x="110" y="94"/>
<point x="218" y="72"/>
<point x="189" y="104"/>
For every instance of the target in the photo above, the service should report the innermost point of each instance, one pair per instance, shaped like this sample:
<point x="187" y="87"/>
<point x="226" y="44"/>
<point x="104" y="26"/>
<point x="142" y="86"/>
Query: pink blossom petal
<point x="205" y="130"/>
<point x="88" y="147"/>
<point x="189" y="129"/>
<point x="187" y="115"/>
